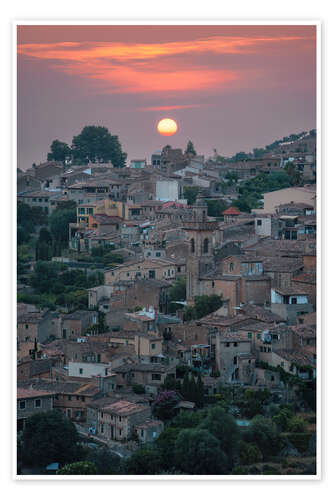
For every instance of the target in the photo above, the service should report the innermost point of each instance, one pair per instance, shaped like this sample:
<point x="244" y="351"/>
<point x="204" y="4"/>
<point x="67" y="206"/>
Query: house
<point x="149" y="430"/>
<point x="46" y="200"/>
<point x="159" y="269"/>
<point x="138" y="163"/>
<point x="290" y="303"/>
<point x="75" y="324"/>
<point x="26" y="183"/>
<point x="31" y="401"/>
<point x="231" y="214"/>
<point x="234" y="358"/>
<point x="34" y="369"/>
<point x="150" y="375"/>
<point x="273" y="199"/>
<point x="117" y="420"/>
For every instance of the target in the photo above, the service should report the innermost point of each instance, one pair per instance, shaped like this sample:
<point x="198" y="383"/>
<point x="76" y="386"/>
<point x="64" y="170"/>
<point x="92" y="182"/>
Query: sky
<point x="230" y="88"/>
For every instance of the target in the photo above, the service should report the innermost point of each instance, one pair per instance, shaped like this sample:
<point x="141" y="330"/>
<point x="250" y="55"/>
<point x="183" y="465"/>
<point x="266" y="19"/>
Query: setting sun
<point x="167" y="126"/>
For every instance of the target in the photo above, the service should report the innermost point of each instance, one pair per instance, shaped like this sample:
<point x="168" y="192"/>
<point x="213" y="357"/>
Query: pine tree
<point x="185" y="386"/>
<point x="200" y="395"/>
<point x="190" y="149"/>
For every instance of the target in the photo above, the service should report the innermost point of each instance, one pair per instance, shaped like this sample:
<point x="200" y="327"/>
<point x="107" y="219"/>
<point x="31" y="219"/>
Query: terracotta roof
<point x="30" y="392"/>
<point x="231" y="211"/>
<point x="123" y="408"/>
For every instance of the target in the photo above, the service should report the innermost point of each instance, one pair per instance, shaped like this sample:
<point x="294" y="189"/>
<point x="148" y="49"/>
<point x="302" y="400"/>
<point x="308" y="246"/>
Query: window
<point x="249" y="361"/>
<point x="142" y="432"/>
<point x="235" y="360"/>
<point x="259" y="222"/>
<point x="282" y="363"/>
<point x="81" y="371"/>
<point x="235" y="344"/>
<point x="158" y="254"/>
<point x="249" y="335"/>
<point x="272" y="378"/>
<point x="119" y="432"/>
<point x="231" y="266"/>
<point x="64" y="333"/>
<point x="192" y="245"/>
<point x="227" y="344"/>
<point x="22" y="405"/>
<point x="26" y="327"/>
<point x="205" y="245"/>
<point x="294" y="300"/>
<point x="156" y="376"/>
<point x="69" y="398"/>
<point x="213" y="284"/>
<point x="38" y="403"/>
<point x="119" y="419"/>
<point x="102" y="428"/>
<point x="153" y="346"/>
<point x="73" y="332"/>
<point x="78" y="398"/>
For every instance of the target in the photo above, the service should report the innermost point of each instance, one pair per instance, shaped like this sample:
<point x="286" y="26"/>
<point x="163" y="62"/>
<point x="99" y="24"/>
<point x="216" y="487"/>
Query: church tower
<point x="200" y="258"/>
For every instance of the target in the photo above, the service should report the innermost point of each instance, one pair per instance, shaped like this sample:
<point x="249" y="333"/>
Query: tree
<point x="249" y="453"/>
<point x="59" y="222"/>
<point x="50" y="437"/>
<point x="78" y="468"/>
<point x="45" y="275"/>
<point x="294" y="174"/>
<point x="60" y="151"/>
<point x="215" y="207"/>
<point x="206" y="304"/>
<point x="258" y="152"/>
<point x="165" y="445"/>
<point x="95" y="144"/>
<point x="200" y="393"/>
<point x="145" y="461"/>
<point x="197" y="451"/>
<point x="224" y="427"/>
<point x="165" y="404"/>
<point x="190" y="194"/>
<point x="176" y="293"/>
<point x="44" y="245"/>
<point x="263" y="432"/>
<point x="106" y="461"/>
<point x="190" y="149"/>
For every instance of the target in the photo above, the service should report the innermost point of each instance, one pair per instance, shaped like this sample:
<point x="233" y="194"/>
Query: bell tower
<point x="200" y="257"/>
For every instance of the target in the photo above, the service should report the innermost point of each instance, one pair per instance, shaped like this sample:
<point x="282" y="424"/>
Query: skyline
<point x="231" y="87"/>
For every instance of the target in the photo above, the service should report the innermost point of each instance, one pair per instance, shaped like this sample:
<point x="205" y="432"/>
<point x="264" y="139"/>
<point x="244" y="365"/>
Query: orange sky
<point x="229" y="87"/>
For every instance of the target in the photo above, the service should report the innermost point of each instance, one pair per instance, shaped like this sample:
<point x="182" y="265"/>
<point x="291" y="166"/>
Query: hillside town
<point x="164" y="302"/>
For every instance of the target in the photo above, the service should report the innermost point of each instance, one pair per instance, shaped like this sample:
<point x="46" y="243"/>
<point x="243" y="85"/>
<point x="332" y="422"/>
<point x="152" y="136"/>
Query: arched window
<point x="192" y="245"/>
<point x="205" y="245"/>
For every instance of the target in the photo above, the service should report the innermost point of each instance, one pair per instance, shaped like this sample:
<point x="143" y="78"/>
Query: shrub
<point x="296" y="424"/>
<point x="78" y="468"/>
<point x="138" y="389"/>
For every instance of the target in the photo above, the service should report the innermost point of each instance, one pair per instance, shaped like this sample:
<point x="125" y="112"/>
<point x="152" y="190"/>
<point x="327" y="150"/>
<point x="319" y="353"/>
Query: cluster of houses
<point x="261" y="264"/>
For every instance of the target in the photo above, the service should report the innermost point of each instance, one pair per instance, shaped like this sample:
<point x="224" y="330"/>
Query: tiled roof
<point x="231" y="211"/>
<point x="124" y="408"/>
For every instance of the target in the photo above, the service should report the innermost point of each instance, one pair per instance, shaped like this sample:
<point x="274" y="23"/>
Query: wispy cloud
<point x="171" y="107"/>
<point x="152" y="67"/>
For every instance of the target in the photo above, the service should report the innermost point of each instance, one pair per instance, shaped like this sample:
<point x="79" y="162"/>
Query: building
<point x="289" y="304"/>
<point x="200" y="257"/>
<point x="31" y="401"/>
<point x="117" y="421"/>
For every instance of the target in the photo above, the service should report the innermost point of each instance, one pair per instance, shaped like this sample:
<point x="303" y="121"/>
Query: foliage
<point x="177" y="292"/>
<point x="203" y="305"/>
<point x="282" y="419"/>
<point x="27" y="220"/>
<point x="60" y="151"/>
<point x="49" y="437"/>
<point x="78" y="468"/>
<point x="240" y="156"/>
<point x="59" y="222"/>
<point x="215" y="207"/>
<point x="193" y="389"/>
<point x="263" y="432"/>
<point x="187" y="419"/>
<point x="294" y="174"/>
<point x="258" y="152"/>
<point x="45" y="273"/>
<point x="224" y="427"/>
<point x="251" y="191"/>
<point x="106" y="462"/>
<point x="296" y="424"/>
<point x="300" y="440"/>
<point x="44" y="245"/>
<point x="171" y="383"/>
<point x="165" y="445"/>
<point x="197" y="451"/>
<point x="249" y="453"/>
<point x="138" y="389"/>
<point x="165" y="404"/>
<point x="190" y="149"/>
<point x="144" y="461"/>
<point x="232" y="178"/>
<point x="95" y="144"/>
<point x="190" y="194"/>
<point x="253" y="403"/>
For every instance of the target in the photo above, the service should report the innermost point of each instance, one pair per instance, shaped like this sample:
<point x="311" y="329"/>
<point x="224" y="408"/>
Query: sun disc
<point x="167" y="126"/>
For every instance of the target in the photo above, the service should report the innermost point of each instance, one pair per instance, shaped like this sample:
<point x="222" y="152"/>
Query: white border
<point x="125" y="22"/>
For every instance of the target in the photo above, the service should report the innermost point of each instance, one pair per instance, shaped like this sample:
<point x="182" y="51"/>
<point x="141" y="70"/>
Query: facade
<point x="31" y="401"/>
<point x="118" y="420"/>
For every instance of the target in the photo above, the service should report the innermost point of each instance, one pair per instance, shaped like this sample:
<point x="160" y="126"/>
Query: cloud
<point x="171" y="107"/>
<point x="114" y="67"/>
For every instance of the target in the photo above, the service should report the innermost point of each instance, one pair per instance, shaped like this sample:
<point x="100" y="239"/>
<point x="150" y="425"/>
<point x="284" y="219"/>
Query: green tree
<point x="49" y="437"/>
<point x="144" y="461"/>
<point x="95" y="144"/>
<point x="190" y="149"/>
<point x="263" y="432"/>
<point x="224" y="427"/>
<point x="200" y="392"/>
<point x="60" y="151"/>
<point x="258" y="152"/>
<point x="78" y="468"/>
<point x="249" y="453"/>
<point x="215" y="207"/>
<point x="206" y="304"/>
<point x="45" y="274"/>
<point x="190" y="194"/>
<point x="176" y="293"/>
<point x="106" y="461"/>
<point x="165" y="404"/>
<point x="59" y="226"/>
<point x="294" y="174"/>
<point x="165" y="445"/>
<point x="197" y="451"/>
<point x="296" y="424"/>
<point x="283" y="418"/>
